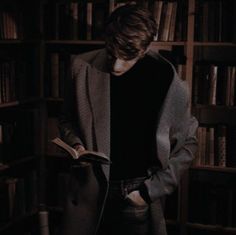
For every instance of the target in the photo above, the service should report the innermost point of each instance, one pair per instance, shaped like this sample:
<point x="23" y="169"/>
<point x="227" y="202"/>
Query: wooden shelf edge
<point x="100" y="42"/>
<point x="9" y="104"/>
<point x="18" y="41"/>
<point x="161" y="43"/>
<point x="75" y="42"/>
<point x="229" y="44"/>
<point x="215" y="114"/>
<point x="17" y="220"/>
<point x="214" y="168"/>
<point x="15" y="163"/>
<point x="211" y="227"/>
<point x="215" y="107"/>
<point x="20" y="102"/>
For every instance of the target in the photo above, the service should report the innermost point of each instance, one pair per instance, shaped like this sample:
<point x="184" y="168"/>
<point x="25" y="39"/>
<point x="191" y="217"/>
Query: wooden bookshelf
<point x="41" y="34"/>
<point x="20" y="108"/>
<point x="190" y="47"/>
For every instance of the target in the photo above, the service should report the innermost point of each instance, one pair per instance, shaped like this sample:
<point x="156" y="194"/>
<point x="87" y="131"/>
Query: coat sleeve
<point x="68" y="121"/>
<point x="164" y="181"/>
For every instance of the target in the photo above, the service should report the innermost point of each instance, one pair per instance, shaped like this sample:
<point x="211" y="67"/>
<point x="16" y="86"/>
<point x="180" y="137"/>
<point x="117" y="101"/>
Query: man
<point x="126" y="101"/>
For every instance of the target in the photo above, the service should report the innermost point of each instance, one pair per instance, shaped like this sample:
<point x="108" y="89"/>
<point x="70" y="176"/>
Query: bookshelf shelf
<point x="215" y="169"/>
<point x="74" y="42"/>
<point x="216" y="228"/>
<point x="94" y="42"/>
<point x="17" y="221"/>
<point x="215" y="114"/>
<point x="31" y="101"/>
<point x="17" y="165"/>
<point x="17" y="42"/>
<point x="215" y="44"/>
<point x="9" y="104"/>
<point x="154" y="43"/>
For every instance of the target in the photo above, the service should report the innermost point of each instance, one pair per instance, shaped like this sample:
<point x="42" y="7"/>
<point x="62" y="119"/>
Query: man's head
<point x="129" y="31"/>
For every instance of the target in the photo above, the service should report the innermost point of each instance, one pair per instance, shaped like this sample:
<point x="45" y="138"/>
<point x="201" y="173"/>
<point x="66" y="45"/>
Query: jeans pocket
<point x="135" y="213"/>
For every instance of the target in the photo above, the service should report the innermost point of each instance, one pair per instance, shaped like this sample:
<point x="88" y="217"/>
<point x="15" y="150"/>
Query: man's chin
<point x="117" y="73"/>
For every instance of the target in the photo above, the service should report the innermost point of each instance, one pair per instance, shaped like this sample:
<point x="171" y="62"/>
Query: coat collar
<point x="99" y="61"/>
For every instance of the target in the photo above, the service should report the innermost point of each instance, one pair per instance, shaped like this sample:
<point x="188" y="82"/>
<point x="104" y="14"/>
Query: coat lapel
<point x="99" y="92"/>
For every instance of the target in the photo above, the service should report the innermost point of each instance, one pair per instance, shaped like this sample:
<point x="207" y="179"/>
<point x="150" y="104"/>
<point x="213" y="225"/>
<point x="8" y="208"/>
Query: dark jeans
<point x="121" y="216"/>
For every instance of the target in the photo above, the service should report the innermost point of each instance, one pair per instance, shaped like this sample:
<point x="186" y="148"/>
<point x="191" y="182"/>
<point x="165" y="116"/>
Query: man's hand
<point x="79" y="148"/>
<point x="136" y="199"/>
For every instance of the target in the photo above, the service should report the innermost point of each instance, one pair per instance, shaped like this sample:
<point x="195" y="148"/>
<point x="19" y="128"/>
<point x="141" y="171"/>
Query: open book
<point x="86" y="155"/>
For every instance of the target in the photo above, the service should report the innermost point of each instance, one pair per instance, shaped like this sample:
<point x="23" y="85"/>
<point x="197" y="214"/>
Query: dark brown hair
<point x="129" y="31"/>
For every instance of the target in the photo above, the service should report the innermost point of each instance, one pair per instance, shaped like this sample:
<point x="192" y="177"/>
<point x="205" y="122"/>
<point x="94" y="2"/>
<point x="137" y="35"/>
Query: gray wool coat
<point x="86" y="120"/>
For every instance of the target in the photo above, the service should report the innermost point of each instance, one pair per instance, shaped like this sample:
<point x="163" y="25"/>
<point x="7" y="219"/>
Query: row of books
<point x="214" y="84"/>
<point x="17" y="134"/>
<point x="57" y="71"/>
<point x="217" y="146"/>
<point x="15" y="79"/>
<point x="74" y="20"/>
<point x="10" y="23"/>
<point x="170" y="17"/>
<point x="82" y="20"/>
<point x="214" y="20"/>
<point x="212" y="203"/>
<point x="7" y="81"/>
<point x="18" y="196"/>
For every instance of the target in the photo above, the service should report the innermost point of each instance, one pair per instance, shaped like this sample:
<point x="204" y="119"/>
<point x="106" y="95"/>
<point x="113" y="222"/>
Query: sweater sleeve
<point x="164" y="181"/>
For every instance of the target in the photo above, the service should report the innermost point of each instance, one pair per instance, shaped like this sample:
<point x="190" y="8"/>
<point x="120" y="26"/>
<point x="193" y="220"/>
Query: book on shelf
<point x="86" y="155"/>
<point x="14" y="146"/>
<point x="181" y="21"/>
<point x="211" y="198"/>
<point x="99" y="16"/>
<point x="157" y="9"/>
<point x="166" y="17"/>
<point x="171" y="35"/>
<point x="111" y="6"/>
<point x="18" y="196"/>
<point x="74" y="20"/>
<point x="55" y="74"/>
<point x="89" y="20"/>
<point x="221" y="145"/>
<point x="231" y="147"/>
<point x="216" y="146"/>
<point x="10" y="21"/>
<point x="213" y="19"/>
<point x="214" y="84"/>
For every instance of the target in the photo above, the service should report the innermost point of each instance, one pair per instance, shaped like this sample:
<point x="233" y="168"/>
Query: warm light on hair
<point x="129" y="31"/>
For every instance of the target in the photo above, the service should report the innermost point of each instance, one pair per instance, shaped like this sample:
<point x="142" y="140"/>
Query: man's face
<point x="118" y="65"/>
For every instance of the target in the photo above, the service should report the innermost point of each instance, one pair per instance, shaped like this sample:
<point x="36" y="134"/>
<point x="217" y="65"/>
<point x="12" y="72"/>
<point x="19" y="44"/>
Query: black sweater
<point x="136" y="99"/>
